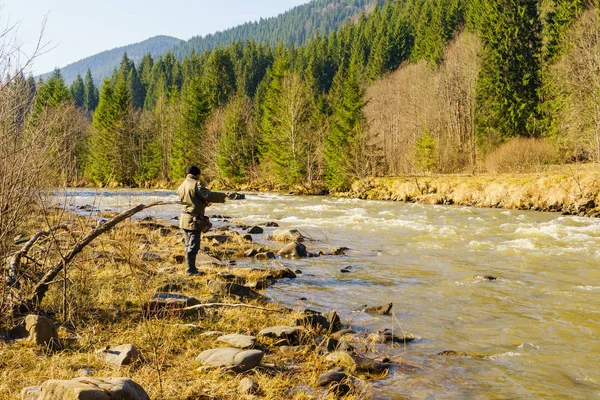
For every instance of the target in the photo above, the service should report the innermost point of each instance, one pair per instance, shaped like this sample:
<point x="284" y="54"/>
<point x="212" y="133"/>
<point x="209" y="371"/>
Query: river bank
<point x="571" y="190"/>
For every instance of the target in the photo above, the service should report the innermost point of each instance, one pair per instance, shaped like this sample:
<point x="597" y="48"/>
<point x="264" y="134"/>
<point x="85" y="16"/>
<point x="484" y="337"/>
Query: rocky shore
<point x="137" y="328"/>
<point x="570" y="190"/>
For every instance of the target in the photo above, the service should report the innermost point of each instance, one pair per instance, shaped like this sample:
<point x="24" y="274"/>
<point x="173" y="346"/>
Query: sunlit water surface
<point x="539" y="324"/>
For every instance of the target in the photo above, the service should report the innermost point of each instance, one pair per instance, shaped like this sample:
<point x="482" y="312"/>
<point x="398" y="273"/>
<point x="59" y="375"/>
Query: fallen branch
<point x="15" y="261"/>
<point x="42" y="287"/>
<point x="210" y="305"/>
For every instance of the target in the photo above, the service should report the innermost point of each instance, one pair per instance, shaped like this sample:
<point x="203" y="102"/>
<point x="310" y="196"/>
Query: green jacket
<point x="195" y="195"/>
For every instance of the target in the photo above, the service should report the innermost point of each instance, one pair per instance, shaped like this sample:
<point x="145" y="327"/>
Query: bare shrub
<point x="521" y="155"/>
<point x="416" y="101"/>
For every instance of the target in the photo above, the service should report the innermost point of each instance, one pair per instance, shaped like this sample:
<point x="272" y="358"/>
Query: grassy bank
<point x="568" y="189"/>
<point x="102" y="305"/>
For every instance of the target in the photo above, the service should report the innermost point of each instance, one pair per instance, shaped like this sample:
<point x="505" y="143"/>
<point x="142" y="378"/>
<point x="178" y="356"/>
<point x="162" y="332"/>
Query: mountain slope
<point x="102" y="64"/>
<point x="295" y="26"/>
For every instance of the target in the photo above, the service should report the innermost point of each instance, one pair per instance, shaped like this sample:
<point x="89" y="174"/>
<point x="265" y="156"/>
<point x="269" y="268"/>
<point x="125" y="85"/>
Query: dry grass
<point x="553" y="188"/>
<point x="521" y="155"/>
<point x="108" y="286"/>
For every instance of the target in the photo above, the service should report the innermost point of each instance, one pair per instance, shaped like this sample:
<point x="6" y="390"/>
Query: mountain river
<point x="537" y="325"/>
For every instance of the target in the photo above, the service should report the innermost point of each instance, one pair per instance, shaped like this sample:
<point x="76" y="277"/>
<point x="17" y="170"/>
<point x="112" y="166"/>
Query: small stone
<point x="250" y="253"/>
<point x="41" y="330"/>
<point x="239" y="341"/>
<point x="164" y="304"/>
<point x="86" y="371"/>
<point x="282" y="274"/>
<point x="179" y="259"/>
<point x="280" y="332"/>
<point x="121" y="355"/>
<point x="235" y="359"/>
<point x="247" y="238"/>
<point x="381" y="310"/>
<point x="231" y="289"/>
<point x="484" y="278"/>
<point x="150" y="257"/>
<point x="261" y="285"/>
<point x="255" y="230"/>
<point x="265" y="256"/>
<point x="346" y="270"/>
<point x="330" y="377"/>
<point x="271" y="224"/>
<point x="211" y="334"/>
<point x="248" y="386"/>
<point x="293" y="250"/>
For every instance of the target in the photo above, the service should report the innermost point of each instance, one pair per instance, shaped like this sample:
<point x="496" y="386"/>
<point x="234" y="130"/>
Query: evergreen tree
<point x="189" y="132"/>
<point x="51" y="93"/>
<point x="219" y="77"/>
<point x="344" y="141"/>
<point x="90" y="93"/>
<point x="78" y="91"/>
<point x="510" y="76"/>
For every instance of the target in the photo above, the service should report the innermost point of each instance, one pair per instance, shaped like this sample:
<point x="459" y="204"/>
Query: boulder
<point x="121" y="355"/>
<point x="234" y="359"/>
<point x="239" y="341"/>
<point x="249" y="387"/>
<point x="168" y="303"/>
<point x="86" y="388"/>
<point x="261" y="285"/>
<point x="220" y="288"/>
<point x="41" y="330"/>
<point x="280" y="332"/>
<point x="386" y="336"/>
<point x="293" y="250"/>
<point x="585" y="204"/>
<point x="287" y="235"/>
<point x="271" y="224"/>
<point x="255" y="230"/>
<point x="381" y="310"/>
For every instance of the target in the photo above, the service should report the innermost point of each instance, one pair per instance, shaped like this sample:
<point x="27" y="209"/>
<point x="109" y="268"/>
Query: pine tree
<point x="78" y="91"/>
<point x="219" y="77"/>
<point x="51" y="93"/>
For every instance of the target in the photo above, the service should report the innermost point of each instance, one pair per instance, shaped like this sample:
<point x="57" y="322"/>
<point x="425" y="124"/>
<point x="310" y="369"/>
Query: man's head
<point x="193" y="170"/>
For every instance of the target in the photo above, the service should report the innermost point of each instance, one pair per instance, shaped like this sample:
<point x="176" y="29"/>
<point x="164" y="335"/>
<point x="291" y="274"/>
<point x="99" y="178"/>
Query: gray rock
<point x="271" y="224"/>
<point x="121" y="355"/>
<point x="280" y="332"/>
<point x="387" y="336"/>
<point x="41" y="330"/>
<point x="330" y="377"/>
<point x="86" y="371"/>
<point x="281" y="274"/>
<point x="164" y="304"/>
<point x="248" y="386"/>
<point x="356" y="363"/>
<point x="287" y="235"/>
<point x="261" y="285"/>
<point x="231" y="289"/>
<point x="86" y="388"/>
<point x="381" y="310"/>
<point x="293" y="250"/>
<point x="236" y="196"/>
<point x="234" y="359"/>
<point x="585" y="204"/>
<point x="239" y="341"/>
<point x="255" y="230"/>
<point x="150" y="257"/>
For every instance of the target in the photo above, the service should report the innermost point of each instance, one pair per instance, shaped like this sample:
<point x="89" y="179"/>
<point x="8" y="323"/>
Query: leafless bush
<point x="521" y="155"/>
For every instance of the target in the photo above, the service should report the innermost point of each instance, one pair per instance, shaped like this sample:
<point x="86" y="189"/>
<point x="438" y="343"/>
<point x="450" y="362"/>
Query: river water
<point x="538" y="325"/>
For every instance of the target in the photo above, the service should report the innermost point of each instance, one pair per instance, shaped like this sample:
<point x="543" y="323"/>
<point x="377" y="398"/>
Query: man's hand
<point x="208" y="204"/>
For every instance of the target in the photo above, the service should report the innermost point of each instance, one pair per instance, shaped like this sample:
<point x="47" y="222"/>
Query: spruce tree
<point x="90" y="93"/>
<point x="189" y="131"/>
<point x="78" y="91"/>
<point x="510" y="75"/>
<point x="343" y="143"/>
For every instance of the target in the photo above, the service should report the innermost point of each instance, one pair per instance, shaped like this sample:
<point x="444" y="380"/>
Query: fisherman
<point x="193" y="222"/>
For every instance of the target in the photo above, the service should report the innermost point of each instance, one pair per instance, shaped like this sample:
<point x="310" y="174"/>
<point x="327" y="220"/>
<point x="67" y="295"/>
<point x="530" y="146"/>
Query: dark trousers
<point x="192" y="247"/>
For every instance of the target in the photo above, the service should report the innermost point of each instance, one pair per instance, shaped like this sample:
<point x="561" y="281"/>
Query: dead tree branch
<point x="42" y="287"/>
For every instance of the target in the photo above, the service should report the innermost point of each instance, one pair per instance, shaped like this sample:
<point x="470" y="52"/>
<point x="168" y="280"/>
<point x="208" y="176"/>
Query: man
<point x="192" y="220"/>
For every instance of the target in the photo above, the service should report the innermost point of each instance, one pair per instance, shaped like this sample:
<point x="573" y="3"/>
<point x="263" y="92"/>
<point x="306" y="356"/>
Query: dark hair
<point x="192" y="170"/>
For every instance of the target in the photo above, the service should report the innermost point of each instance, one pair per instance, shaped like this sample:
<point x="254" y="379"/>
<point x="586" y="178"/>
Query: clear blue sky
<point x="79" y="28"/>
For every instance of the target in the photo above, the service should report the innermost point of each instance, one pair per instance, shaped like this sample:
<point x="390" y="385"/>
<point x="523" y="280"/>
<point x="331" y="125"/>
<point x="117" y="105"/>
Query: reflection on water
<point x="539" y="324"/>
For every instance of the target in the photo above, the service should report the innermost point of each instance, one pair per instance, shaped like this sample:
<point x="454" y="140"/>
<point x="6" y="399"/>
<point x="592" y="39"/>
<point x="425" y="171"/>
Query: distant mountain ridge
<point x="295" y="26"/>
<point x="103" y="64"/>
